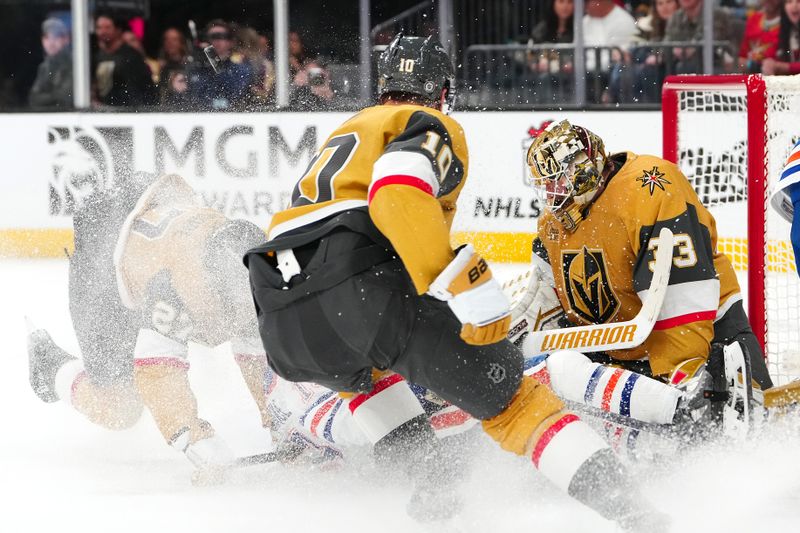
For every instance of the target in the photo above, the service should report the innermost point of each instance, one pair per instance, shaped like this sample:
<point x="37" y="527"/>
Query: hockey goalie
<point x="693" y="365"/>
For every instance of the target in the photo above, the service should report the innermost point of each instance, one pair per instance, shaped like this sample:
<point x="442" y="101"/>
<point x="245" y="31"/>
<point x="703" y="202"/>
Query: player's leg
<point x="575" y="378"/>
<point x="252" y="361"/>
<point x="641" y="418"/>
<point x="335" y="337"/>
<point x="161" y="372"/>
<point x="523" y="415"/>
<point x="375" y="317"/>
<point x="100" y="385"/>
<point x="56" y="375"/>
<point x="402" y="436"/>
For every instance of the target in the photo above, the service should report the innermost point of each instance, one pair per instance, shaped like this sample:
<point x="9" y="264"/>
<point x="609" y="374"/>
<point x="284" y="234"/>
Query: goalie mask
<point x="565" y="167"/>
<point x="420" y="67"/>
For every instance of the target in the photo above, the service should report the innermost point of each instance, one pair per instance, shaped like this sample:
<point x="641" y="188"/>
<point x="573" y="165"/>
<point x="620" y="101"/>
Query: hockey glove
<point x="538" y="308"/>
<point x="474" y="296"/>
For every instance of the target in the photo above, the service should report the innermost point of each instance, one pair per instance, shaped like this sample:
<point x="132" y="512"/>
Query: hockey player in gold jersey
<point x="358" y="277"/>
<point x="152" y="270"/>
<point x="156" y="267"/>
<point x="596" y="245"/>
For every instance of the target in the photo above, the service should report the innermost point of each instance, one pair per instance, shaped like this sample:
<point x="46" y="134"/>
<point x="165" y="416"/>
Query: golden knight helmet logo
<point x="588" y="288"/>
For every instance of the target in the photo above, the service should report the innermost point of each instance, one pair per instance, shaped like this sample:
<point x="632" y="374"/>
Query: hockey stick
<point x="662" y="430"/>
<point x="615" y="335"/>
<point x="257" y="459"/>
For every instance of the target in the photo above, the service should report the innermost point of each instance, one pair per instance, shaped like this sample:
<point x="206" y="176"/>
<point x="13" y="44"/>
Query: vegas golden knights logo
<point x="588" y="288"/>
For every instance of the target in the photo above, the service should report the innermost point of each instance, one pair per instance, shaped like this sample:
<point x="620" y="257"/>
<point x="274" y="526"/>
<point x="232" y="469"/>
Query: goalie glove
<point x="538" y="308"/>
<point x="474" y="296"/>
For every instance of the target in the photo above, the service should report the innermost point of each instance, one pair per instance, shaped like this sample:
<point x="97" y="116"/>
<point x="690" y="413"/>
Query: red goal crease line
<point x="497" y="247"/>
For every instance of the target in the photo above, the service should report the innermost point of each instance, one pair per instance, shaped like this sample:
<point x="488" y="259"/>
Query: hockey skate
<point x="297" y="447"/>
<point x="602" y="484"/>
<point x="740" y="410"/>
<point x="433" y="503"/>
<point x="45" y="358"/>
<point x="695" y="416"/>
<point x="719" y="399"/>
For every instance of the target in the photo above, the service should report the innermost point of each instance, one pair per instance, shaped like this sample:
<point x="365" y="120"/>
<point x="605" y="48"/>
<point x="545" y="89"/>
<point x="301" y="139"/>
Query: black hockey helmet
<point x="418" y="66"/>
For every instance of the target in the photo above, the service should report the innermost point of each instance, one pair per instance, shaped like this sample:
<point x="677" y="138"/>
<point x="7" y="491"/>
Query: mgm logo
<point x="588" y="288"/>
<point x="82" y="164"/>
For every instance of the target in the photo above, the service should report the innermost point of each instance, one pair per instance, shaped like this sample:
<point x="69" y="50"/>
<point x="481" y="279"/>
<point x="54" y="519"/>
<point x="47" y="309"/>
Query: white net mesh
<point x="712" y="152"/>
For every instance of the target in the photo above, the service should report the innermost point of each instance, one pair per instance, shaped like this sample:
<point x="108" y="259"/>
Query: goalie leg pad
<point x="575" y="378"/>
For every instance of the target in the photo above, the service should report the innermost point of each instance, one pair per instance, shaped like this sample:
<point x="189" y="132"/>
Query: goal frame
<point x="755" y="89"/>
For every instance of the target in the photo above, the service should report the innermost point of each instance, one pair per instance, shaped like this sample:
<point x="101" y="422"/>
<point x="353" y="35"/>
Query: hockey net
<point x="731" y="136"/>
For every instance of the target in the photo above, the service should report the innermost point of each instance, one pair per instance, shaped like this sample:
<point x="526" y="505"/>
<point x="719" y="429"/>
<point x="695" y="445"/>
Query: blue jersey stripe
<point x="789" y="171"/>
<point x="625" y="400"/>
<point x="592" y="385"/>
<point x="533" y="361"/>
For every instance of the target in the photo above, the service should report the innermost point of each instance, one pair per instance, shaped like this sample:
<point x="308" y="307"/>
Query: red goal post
<point x="730" y="135"/>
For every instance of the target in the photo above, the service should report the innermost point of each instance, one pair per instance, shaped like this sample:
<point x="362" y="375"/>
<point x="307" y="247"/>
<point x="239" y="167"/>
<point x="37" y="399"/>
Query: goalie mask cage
<point x="731" y="135"/>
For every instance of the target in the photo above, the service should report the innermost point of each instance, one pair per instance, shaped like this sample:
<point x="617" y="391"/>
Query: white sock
<point x="66" y="378"/>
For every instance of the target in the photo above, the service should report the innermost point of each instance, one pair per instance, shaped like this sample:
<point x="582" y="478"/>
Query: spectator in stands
<point x="553" y="69"/>
<point x="607" y="25"/>
<point x="229" y="88"/>
<point x="760" y="36"/>
<point x="121" y="77"/>
<point x="312" y="88"/>
<point x="686" y="24"/>
<point x="254" y="49"/>
<point x="787" y="57"/>
<point x="556" y="25"/>
<point x="173" y="55"/>
<point x="297" y="53"/>
<point x="132" y="40"/>
<point x="52" y="87"/>
<point x="175" y="91"/>
<point x="650" y="67"/>
<point x="653" y="26"/>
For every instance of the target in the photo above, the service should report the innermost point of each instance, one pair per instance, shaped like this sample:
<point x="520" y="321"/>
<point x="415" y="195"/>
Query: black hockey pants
<point x="353" y="308"/>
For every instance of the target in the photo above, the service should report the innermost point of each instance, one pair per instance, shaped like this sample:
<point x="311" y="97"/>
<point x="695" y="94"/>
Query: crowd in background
<point x="631" y="45"/>
<point x="180" y="77"/>
<point x="636" y="44"/>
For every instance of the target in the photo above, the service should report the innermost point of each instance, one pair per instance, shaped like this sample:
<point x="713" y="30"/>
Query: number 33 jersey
<point x="406" y="165"/>
<point x="603" y="269"/>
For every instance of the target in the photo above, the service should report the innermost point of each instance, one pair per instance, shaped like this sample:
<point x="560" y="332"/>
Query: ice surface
<point x="59" y="473"/>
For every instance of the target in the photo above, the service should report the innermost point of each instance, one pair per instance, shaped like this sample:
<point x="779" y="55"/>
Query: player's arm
<point x="421" y="169"/>
<point x="685" y="326"/>
<point x="418" y="167"/>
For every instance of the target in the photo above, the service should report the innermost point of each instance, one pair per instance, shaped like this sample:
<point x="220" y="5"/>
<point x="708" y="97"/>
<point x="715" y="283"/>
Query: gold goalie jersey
<point x="602" y="270"/>
<point x="406" y="164"/>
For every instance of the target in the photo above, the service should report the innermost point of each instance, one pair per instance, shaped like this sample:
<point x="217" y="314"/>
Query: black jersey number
<point x="316" y="185"/>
